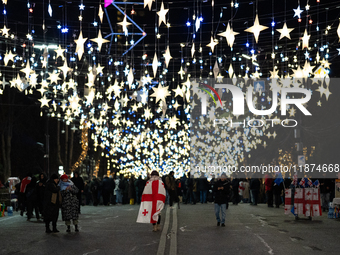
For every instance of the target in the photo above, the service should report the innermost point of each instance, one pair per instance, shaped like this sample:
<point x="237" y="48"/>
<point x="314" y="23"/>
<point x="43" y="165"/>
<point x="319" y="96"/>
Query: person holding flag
<point x="153" y="199"/>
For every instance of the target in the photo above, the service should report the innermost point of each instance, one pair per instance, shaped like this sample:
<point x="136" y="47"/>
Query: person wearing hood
<point x="52" y="202"/>
<point x="70" y="203"/>
<point x="153" y="200"/>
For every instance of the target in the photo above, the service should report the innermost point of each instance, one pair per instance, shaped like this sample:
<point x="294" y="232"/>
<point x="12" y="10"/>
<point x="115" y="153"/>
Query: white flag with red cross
<point x="288" y="201"/>
<point x="153" y="200"/>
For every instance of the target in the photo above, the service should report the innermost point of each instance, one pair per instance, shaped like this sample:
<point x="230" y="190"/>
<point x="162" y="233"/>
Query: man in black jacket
<point x="79" y="183"/>
<point x="221" y="189"/>
<point x="254" y="188"/>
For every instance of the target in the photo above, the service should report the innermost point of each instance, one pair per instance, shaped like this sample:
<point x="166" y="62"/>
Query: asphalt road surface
<point x="189" y="230"/>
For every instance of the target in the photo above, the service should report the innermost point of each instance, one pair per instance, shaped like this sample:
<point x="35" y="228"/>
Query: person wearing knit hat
<point x="69" y="206"/>
<point x="154" y="192"/>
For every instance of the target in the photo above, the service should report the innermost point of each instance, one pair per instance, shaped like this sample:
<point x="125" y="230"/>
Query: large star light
<point x="155" y="65"/>
<point x="148" y="3"/>
<point x="305" y="40"/>
<point x="256" y="28"/>
<point x="297" y="12"/>
<point x="160" y="92"/>
<point x="161" y="15"/>
<point x="99" y="40"/>
<point x="229" y="35"/>
<point x="167" y="56"/>
<point x="124" y="24"/>
<point x="212" y="44"/>
<point x="80" y="45"/>
<point x="284" y="32"/>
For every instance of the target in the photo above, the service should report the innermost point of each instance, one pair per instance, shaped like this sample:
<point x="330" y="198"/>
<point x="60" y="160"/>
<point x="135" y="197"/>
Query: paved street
<point x="189" y="230"/>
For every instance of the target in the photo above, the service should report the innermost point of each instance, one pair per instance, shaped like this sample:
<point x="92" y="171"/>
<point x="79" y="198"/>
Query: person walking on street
<point x="254" y="189"/>
<point x="153" y="200"/>
<point x="268" y="182"/>
<point x="171" y="187"/>
<point x="203" y="186"/>
<point x="69" y="206"/>
<point x="221" y="189"/>
<point x="79" y="183"/>
<point x="52" y="202"/>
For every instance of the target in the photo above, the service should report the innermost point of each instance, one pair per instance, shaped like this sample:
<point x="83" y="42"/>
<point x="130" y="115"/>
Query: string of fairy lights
<point x="141" y="118"/>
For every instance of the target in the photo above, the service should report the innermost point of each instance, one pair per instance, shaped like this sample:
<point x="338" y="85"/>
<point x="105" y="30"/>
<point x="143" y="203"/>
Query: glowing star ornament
<point x="100" y="13"/>
<point x="59" y="52"/>
<point x="338" y="31"/>
<point x="130" y="78"/>
<point x="305" y="40"/>
<point x="256" y="28"/>
<point x="178" y="91"/>
<point x="148" y="3"/>
<point x="212" y="44"/>
<point x="9" y="56"/>
<point x="27" y="70"/>
<point x="173" y="122"/>
<point x="284" y="32"/>
<point x="99" y="40"/>
<point x="155" y="65"/>
<point x="4" y="31"/>
<point x="44" y="101"/>
<point x="192" y="50"/>
<point x="50" y="10"/>
<point x="167" y="56"/>
<point x="161" y="15"/>
<point x="80" y="45"/>
<point x="229" y="35"/>
<point x="160" y="92"/>
<point x="297" y="12"/>
<point x="65" y="69"/>
<point x="124" y="24"/>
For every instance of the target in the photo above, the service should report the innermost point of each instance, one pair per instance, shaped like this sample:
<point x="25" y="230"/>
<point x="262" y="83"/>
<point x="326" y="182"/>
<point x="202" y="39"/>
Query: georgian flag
<point x="302" y="182"/>
<point x="295" y="180"/>
<point x="153" y="200"/>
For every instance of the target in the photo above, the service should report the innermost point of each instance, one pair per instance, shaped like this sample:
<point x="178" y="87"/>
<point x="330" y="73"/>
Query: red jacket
<point x="268" y="182"/>
<point x="24" y="183"/>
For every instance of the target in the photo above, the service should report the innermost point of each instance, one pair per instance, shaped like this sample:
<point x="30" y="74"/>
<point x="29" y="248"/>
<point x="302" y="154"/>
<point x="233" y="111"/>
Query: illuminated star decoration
<point x="100" y="13"/>
<point x="4" y="31"/>
<point x="167" y="56"/>
<point x="229" y="35"/>
<point x="124" y="24"/>
<point x="99" y="40"/>
<point x="284" y="32"/>
<point x="155" y="65"/>
<point x="161" y="14"/>
<point x="27" y="70"/>
<point x="338" y="31"/>
<point x="80" y="45"/>
<point x="305" y="40"/>
<point x="65" y="69"/>
<point x="256" y="28"/>
<point x="148" y="3"/>
<point x="297" y="12"/>
<point x="59" y="52"/>
<point x="44" y="101"/>
<point x="9" y="56"/>
<point x="160" y="93"/>
<point x="212" y="44"/>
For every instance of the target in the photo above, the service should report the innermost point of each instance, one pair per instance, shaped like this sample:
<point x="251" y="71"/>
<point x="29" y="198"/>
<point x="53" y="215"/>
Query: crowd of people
<point x="42" y="197"/>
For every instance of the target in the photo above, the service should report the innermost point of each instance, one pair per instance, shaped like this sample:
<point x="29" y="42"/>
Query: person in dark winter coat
<point x="79" y="183"/>
<point x="31" y="199"/>
<point x="69" y="206"/>
<point x="52" y="202"/>
<point x="94" y="187"/>
<point x="40" y="189"/>
<point x="203" y="186"/>
<point x="254" y="189"/>
<point x="139" y="185"/>
<point x="131" y="190"/>
<point x="235" y="183"/>
<point x="221" y="189"/>
<point x="107" y="189"/>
